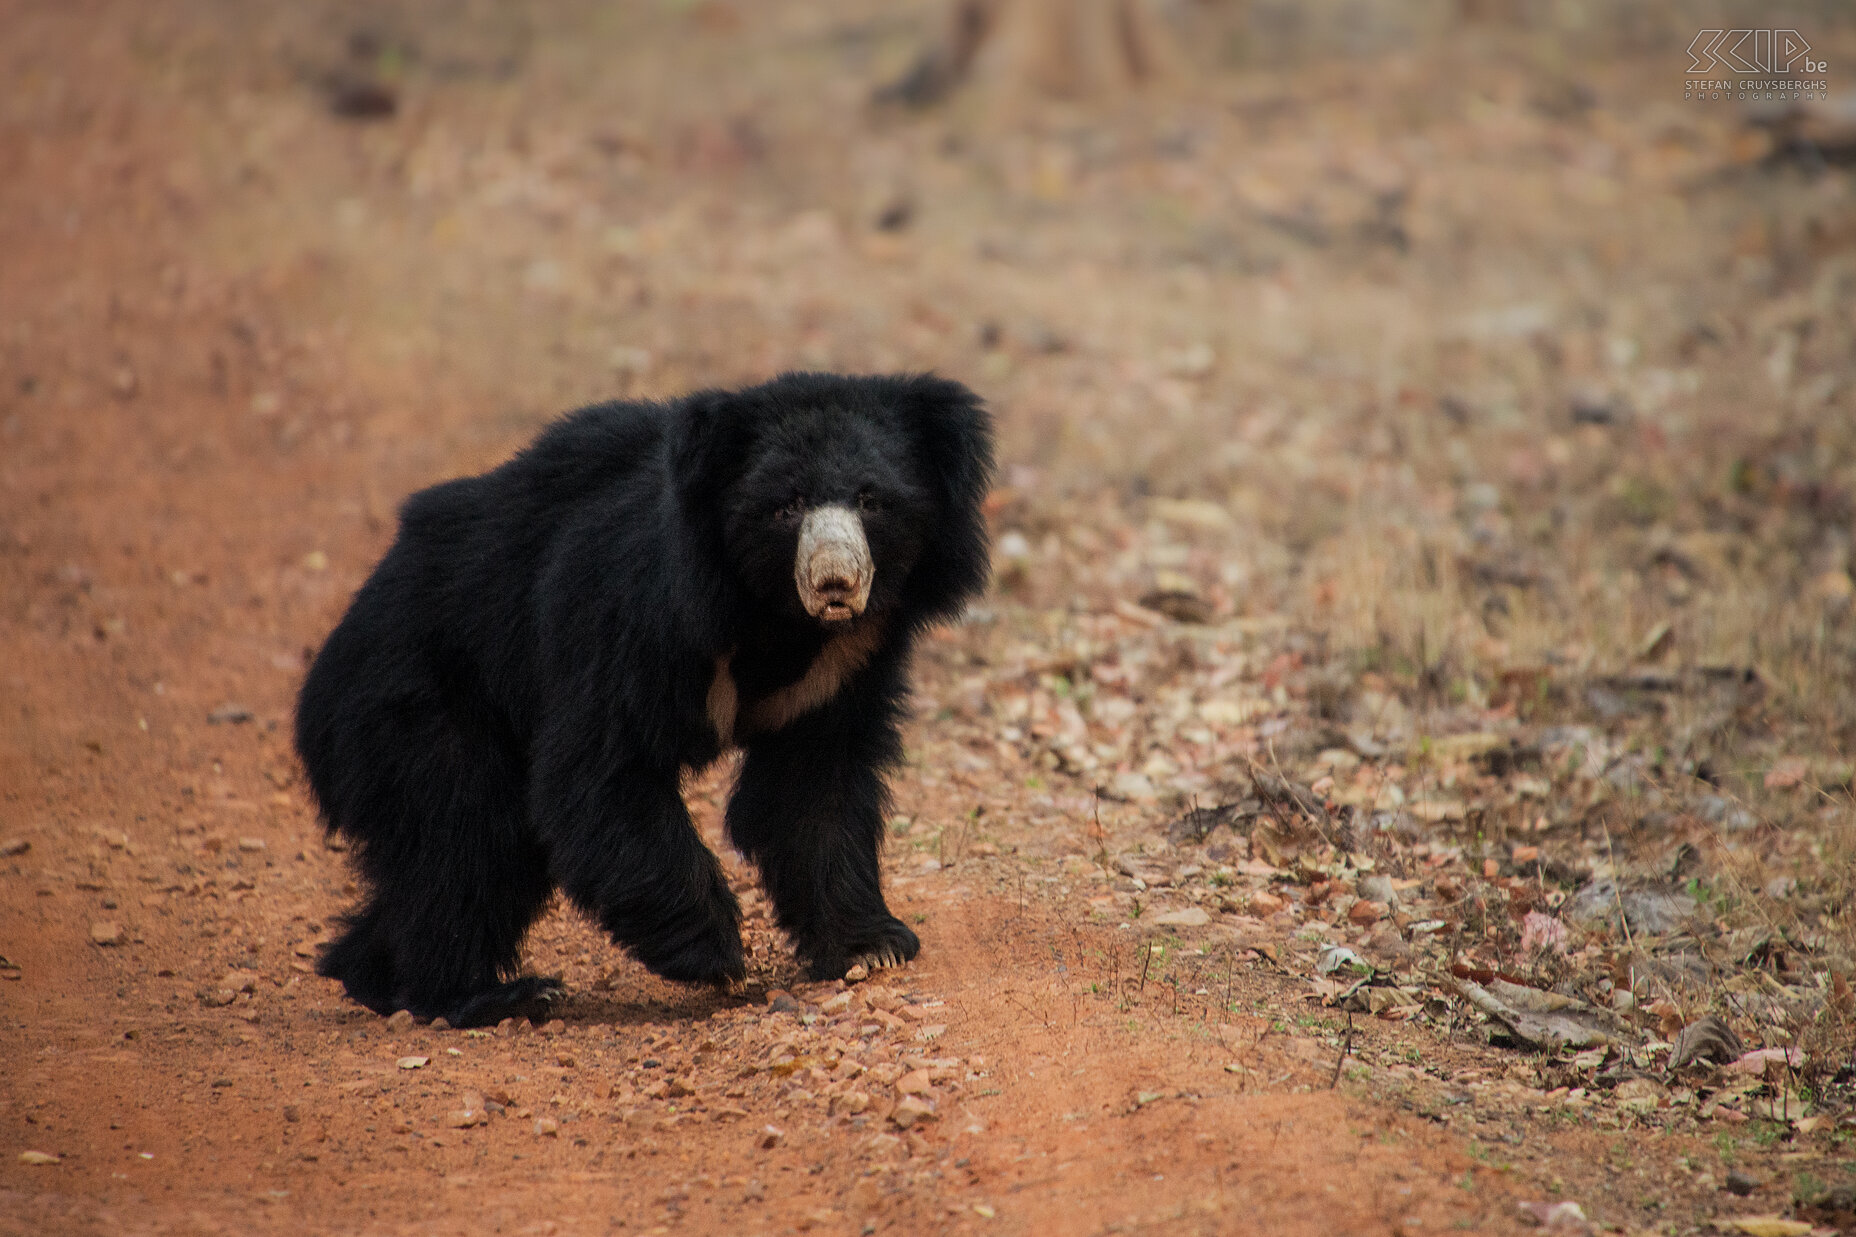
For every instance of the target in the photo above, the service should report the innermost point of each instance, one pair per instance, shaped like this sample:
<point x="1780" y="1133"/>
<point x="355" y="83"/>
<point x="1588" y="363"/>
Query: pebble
<point x="911" y="1110"/>
<point x="1264" y="903"/>
<point x="916" y="1082"/>
<point x="1366" y="911"/>
<point x="414" y="1062"/>
<point x="553" y="1026"/>
<point x="852" y="1102"/>
<point x="547" y="1127"/>
<point x="463" y="1119"/>
<point x="37" y="1157"/>
<point x="252" y="845"/>
<point x="782" y="1003"/>
<point x="107" y="933"/>
<point x="14" y="846"/>
<point x="1189" y="917"/>
<point x="857" y="974"/>
<point x="837" y="1004"/>
<point x="771" y="1136"/>
<point x="400" y="1020"/>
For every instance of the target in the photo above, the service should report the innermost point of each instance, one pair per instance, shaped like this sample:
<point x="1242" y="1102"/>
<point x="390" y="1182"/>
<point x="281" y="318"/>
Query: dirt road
<point x="237" y="327"/>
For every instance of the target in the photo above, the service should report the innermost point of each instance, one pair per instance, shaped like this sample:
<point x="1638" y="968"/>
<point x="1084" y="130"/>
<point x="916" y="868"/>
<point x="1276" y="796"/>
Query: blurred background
<point x="1471" y="335"/>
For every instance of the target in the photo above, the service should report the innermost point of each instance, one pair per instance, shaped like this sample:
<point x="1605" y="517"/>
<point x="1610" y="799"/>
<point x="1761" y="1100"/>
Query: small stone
<point x="414" y="1062"/>
<point x="463" y="1119"/>
<point x="217" y="998"/>
<point x="852" y="1103"/>
<point x="916" y="1082"/>
<point x="865" y="1195"/>
<point x="252" y="845"/>
<point x="783" y="1003"/>
<point x="935" y="1031"/>
<point x="37" y="1157"/>
<point x="107" y="933"/>
<point x="440" y="1024"/>
<point x="1263" y="902"/>
<point x="229" y="715"/>
<point x="1366" y="911"/>
<point x="983" y="1211"/>
<point x="554" y="1026"/>
<point x="547" y="1127"/>
<point x="857" y="974"/>
<point x="771" y="1136"/>
<point x="911" y="1110"/>
<point x="1561" y="1217"/>
<point x="836" y="1005"/>
<point x="400" y="1020"/>
<point x="676" y="1088"/>
<point x="14" y="846"/>
<point x="511" y="1027"/>
<point x="1740" y="1183"/>
<point x="1189" y="917"/>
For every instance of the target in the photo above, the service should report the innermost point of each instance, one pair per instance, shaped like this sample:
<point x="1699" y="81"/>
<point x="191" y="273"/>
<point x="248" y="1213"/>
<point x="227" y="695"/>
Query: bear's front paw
<point x="711" y="955"/>
<point x="888" y="943"/>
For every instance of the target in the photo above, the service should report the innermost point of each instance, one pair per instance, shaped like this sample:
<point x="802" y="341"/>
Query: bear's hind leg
<point x="435" y="809"/>
<point x="440" y="943"/>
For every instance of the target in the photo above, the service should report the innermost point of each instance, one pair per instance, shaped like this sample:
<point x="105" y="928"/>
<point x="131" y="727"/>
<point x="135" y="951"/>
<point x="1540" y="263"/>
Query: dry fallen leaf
<point x="1544" y="1019"/>
<point x="1770" y="1226"/>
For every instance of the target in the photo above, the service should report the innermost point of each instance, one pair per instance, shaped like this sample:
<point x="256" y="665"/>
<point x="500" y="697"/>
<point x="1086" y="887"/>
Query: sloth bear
<point x="514" y="695"/>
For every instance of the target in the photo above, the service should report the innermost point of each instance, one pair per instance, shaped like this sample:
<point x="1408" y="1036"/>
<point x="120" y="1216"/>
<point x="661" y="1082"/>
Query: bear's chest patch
<point x="735" y="720"/>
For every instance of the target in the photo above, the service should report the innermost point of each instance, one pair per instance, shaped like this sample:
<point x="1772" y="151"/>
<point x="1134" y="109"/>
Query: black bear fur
<point x="511" y="701"/>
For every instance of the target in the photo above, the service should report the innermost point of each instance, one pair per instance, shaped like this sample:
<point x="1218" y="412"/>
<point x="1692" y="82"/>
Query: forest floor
<point x="1400" y="780"/>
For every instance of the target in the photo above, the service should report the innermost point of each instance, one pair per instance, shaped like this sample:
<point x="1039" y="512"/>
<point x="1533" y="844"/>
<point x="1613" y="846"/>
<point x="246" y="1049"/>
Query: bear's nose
<point x="837" y="587"/>
<point x="833" y="570"/>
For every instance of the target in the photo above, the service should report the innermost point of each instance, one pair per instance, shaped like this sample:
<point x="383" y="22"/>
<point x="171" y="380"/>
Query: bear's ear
<point x="709" y="433"/>
<point x="953" y="442"/>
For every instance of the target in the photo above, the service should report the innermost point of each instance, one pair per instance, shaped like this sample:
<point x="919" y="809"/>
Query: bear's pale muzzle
<point x="833" y="568"/>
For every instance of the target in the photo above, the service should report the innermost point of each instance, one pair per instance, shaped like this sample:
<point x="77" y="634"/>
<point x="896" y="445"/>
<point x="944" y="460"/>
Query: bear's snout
<point x="833" y="568"/>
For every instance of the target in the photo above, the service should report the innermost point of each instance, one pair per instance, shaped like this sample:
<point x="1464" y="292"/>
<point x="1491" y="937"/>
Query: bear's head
<point x="835" y="500"/>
